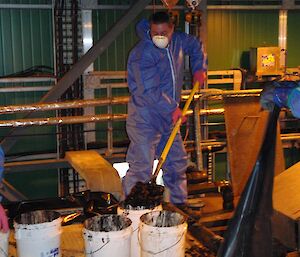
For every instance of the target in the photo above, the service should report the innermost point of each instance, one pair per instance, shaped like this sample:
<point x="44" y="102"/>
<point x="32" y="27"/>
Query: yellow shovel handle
<point x="175" y="130"/>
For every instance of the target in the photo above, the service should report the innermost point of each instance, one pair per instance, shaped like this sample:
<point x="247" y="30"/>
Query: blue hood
<point x="143" y="29"/>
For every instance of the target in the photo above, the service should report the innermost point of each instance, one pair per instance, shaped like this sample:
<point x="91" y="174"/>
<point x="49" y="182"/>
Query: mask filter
<point x="160" y="41"/>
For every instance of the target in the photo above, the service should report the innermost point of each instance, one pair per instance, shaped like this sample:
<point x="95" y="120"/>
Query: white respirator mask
<point x="160" y="41"/>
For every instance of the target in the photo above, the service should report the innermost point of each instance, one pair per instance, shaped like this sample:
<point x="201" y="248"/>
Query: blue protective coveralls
<point x="155" y="78"/>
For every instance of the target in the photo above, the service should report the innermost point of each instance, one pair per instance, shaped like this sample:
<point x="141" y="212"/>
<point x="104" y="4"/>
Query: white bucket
<point x="107" y="236"/>
<point x="38" y="234"/>
<point x="4" y="240"/>
<point x="162" y="234"/>
<point x="134" y="215"/>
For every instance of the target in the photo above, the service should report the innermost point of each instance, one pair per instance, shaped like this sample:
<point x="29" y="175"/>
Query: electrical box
<point x="265" y="61"/>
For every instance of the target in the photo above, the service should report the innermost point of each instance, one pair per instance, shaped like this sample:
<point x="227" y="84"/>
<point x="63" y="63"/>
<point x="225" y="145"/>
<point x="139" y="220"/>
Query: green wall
<point x="293" y="39"/>
<point x="26" y="41"/>
<point x="232" y="33"/>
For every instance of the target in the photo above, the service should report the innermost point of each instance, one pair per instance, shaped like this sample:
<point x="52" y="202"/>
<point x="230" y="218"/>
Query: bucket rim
<point x="127" y="222"/>
<point x="138" y="208"/>
<point x="183" y="219"/>
<point x="55" y="216"/>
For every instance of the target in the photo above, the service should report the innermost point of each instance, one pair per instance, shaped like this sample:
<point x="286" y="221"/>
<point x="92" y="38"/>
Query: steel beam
<point x="24" y="89"/>
<point x="13" y="167"/>
<point x="84" y="62"/>
<point x="25" y="6"/>
<point x="10" y="193"/>
<point x="26" y="79"/>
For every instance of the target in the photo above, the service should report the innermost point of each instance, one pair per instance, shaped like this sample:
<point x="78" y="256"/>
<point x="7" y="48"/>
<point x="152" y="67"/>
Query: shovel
<point x="175" y="130"/>
<point x="150" y="193"/>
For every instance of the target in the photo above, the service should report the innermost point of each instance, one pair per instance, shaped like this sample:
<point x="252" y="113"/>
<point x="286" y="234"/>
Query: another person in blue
<point x="3" y="217"/>
<point x="155" y="78"/>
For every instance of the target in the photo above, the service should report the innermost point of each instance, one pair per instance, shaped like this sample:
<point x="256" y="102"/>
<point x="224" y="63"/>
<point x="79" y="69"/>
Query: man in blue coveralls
<point x="155" y="78"/>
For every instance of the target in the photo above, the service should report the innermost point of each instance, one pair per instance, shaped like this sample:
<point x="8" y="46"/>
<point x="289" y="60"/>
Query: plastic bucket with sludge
<point x="107" y="236"/>
<point x="162" y="234"/>
<point x="134" y="214"/>
<point x="38" y="233"/>
<point x="4" y="237"/>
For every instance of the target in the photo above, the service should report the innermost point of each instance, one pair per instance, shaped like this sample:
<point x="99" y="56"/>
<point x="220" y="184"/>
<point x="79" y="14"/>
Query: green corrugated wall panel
<point x="115" y="57"/>
<point x="232" y="33"/>
<point x="26" y="41"/>
<point x="293" y="39"/>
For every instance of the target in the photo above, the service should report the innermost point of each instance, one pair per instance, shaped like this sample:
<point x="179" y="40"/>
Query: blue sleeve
<point x="143" y="29"/>
<point x="144" y="83"/>
<point x="193" y="47"/>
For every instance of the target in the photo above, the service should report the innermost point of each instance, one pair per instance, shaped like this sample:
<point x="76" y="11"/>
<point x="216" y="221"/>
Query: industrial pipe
<point x="82" y="119"/>
<point x="61" y="120"/>
<point x="207" y="93"/>
<point x="85" y="103"/>
<point x="64" y="105"/>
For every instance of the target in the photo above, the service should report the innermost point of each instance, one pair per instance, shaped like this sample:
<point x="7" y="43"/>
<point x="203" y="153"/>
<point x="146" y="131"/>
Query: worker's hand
<point x="267" y="98"/>
<point x="199" y="76"/>
<point x="3" y="220"/>
<point x="178" y="114"/>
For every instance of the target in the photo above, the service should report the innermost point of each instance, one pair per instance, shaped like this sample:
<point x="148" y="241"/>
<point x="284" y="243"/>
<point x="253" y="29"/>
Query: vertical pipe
<point x="198" y="133"/>
<point x="187" y="59"/>
<point x="199" y="157"/>
<point x="203" y="36"/>
<point x="109" y="124"/>
<point x="88" y="93"/>
<point x="55" y="74"/>
<point x="282" y="37"/>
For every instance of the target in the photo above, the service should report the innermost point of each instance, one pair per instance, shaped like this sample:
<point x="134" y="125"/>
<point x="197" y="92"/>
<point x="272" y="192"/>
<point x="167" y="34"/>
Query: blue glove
<point x="283" y="94"/>
<point x="294" y="102"/>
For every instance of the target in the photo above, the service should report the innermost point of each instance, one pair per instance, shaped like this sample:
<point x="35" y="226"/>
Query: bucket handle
<point x="2" y="251"/>
<point x="92" y="252"/>
<point x="153" y="253"/>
